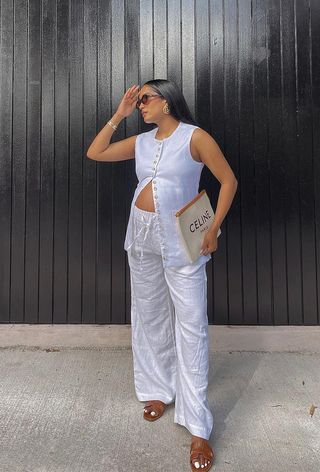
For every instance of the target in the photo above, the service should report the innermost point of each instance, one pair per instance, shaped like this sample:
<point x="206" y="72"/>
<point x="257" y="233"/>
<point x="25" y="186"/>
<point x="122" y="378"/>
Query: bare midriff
<point x="144" y="200"/>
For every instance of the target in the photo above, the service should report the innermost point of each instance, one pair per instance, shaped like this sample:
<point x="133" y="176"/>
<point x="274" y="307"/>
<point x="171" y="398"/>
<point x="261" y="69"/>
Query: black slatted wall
<point x="250" y="72"/>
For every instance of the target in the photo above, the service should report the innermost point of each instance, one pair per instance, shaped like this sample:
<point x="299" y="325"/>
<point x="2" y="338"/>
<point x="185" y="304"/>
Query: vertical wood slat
<point x="291" y="165"/>
<point x="231" y="148"/>
<point x="6" y="112"/>
<point x="61" y="181"/>
<point x="218" y="310"/>
<point x="203" y="109"/>
<point x="19" y="122"/>
<point x="132" y="76"/>
<point x="246" y="177"/>
<point x="104" y="170"/>
<point x="89" y="233"/>
<point x="33" y="163"/>
<point x="47" y="166"/>
<point x="262" y="202"/>
<point x="304" y="147"/>
<point x="314" y="40"/>
<point x="76" y="162"/>
<point x="250" y="72"/>
<point x="118" y="168"/>
<point x="276" y="165"/>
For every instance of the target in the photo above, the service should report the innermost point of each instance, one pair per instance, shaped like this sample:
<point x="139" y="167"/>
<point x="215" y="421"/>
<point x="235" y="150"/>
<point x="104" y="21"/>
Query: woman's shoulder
<point x="191" y="128"/>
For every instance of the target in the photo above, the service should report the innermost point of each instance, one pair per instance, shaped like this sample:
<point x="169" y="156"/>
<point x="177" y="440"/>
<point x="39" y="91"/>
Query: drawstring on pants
<point x="147" y="227"/>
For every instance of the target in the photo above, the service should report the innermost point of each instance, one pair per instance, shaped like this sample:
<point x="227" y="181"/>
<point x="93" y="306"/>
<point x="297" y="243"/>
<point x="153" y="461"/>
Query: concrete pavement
<point x="67" y="402"/>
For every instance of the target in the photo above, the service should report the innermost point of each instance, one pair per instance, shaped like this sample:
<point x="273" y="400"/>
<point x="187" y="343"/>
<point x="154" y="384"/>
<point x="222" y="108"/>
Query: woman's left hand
<point x="209" y="243"/>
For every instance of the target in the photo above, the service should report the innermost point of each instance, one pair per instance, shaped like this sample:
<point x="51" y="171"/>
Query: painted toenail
<point x="202" y="466"/>
<point x="197" y="465"/>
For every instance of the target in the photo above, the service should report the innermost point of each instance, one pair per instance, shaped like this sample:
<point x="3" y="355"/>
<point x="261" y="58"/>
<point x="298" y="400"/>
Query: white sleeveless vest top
<point x="175" y="179"/>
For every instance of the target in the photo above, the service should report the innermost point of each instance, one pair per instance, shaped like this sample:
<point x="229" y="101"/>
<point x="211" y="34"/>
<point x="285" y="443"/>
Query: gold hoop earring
<point x="166" y="109"/>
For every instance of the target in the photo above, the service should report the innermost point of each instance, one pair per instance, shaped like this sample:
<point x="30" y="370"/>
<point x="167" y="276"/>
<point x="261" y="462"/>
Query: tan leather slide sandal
<point x="156" y="410"/>
<point x="200" y="446"/>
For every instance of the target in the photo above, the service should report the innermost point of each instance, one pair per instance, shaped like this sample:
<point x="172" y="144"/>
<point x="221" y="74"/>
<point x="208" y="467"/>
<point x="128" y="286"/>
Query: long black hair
<point x="175" y="99"/>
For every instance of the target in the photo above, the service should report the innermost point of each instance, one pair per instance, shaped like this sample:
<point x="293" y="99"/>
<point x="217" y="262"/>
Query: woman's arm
<point x="102" y="140"/>
<point x="210" y="154"/>
<point x="100" y="149"/>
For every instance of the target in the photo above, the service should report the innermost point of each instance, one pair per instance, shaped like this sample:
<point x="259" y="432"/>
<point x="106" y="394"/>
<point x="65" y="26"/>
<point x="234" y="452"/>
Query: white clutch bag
<point x="193" y="221"/>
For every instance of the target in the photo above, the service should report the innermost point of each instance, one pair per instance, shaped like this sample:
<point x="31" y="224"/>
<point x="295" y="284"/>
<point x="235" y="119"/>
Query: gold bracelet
<point x="114" y="126"/>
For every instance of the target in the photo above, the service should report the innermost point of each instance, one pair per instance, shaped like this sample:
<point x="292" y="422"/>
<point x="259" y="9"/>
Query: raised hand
<point x="128" y="102"/>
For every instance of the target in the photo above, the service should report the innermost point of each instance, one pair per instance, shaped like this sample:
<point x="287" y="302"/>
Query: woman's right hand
<point x="128" y="102"/>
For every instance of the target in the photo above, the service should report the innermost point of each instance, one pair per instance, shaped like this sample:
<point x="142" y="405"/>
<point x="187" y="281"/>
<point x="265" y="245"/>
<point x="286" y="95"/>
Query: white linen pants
<point x="169" y="323"/>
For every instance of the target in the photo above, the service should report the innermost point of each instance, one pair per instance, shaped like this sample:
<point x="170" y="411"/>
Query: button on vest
<point x="175" y="177"/>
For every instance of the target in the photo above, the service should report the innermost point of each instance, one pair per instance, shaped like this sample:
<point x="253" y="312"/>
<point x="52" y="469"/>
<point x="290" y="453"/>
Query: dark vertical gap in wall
<point x="210" y="125"/>
<point x="297" y="146"/>
<point x="68" y="138"/>
<point x="125" y="163"/>
<point x="82" y="162"/>
<point x="26" y="171"/>
<point x="12" y="134"/>
<point x="239" y="138"/>
<point x="40" y="154"/>
<point x="96" y="286"/>
<point x="54" y="159"/>
<point x="112" y="164"/>
<point x="224" y="139"/>
<point x="253" y="37"/>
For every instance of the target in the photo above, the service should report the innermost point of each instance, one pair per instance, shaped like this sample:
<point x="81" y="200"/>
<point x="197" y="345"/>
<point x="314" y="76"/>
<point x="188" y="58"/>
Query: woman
<point x="169" y="321"/>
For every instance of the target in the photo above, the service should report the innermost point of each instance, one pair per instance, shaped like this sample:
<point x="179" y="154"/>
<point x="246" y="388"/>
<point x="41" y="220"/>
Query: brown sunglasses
<point x="145" y="99"/>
